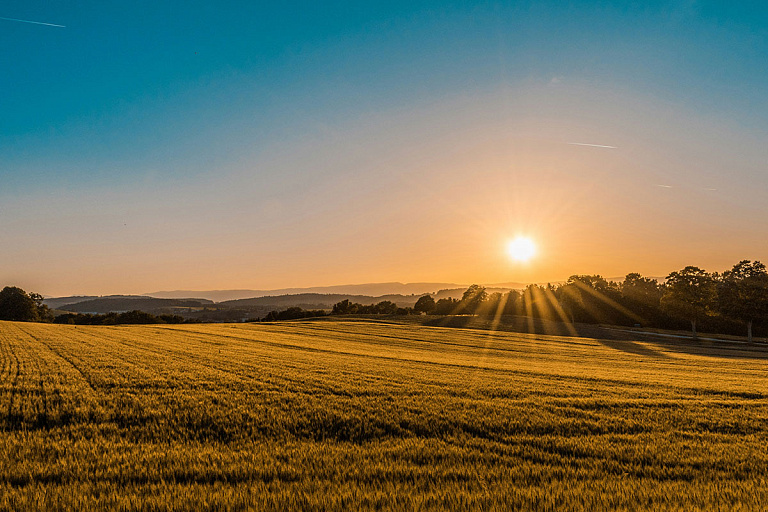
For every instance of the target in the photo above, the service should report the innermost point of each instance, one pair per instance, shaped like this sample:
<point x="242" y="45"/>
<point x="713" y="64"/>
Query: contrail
<point x="591" y="145"/>
<point x="34" y="22"/>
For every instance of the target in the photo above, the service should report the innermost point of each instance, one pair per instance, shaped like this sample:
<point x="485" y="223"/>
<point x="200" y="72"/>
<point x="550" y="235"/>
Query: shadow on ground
<point x="621" y="338"/>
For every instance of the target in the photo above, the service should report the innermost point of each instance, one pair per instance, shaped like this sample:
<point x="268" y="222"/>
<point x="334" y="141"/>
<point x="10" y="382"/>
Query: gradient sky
<point x="214" y="145"/>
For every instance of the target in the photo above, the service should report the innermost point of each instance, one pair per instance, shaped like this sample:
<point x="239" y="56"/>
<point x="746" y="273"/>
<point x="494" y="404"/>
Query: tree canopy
<point x="689" y="292"/>
<point x="425" y="304"/>
<point x="743" y="293"/>
<point x="16" y="304"/>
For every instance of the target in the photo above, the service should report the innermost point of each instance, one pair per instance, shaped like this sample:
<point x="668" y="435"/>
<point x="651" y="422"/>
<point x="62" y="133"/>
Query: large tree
<point x="447" y="306"/>
<point x="591" y="298"/>
<point x="425" y="304"/>
<point x="473" y="297"/>
<point x="743" y="293"/>
<point x="641" y="290"/>
<point x="16" y="304"/>
<point x="641" y="295"/>
<point x="689" y="293"/>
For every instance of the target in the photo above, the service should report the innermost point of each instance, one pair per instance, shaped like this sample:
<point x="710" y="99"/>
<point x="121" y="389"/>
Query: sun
<point x="521" y="249"/>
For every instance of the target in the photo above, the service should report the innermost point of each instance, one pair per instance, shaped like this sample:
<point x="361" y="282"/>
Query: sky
<point x="230" y="145"/>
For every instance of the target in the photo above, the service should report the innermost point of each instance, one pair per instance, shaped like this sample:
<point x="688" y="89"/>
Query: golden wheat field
<point x="366" y="415"/>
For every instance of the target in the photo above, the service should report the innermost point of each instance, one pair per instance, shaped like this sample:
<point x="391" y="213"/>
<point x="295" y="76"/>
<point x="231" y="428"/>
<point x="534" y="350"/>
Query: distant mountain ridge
<point x="63" y="302"/>
<point x="119" y="304"/>
<point x="403" y="294"/>
<point x="318" y="300"/>
<point x="367" y="289"/>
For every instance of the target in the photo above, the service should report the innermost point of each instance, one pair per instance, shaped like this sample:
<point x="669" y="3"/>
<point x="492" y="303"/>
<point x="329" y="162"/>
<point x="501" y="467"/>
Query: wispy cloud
<point x="591" y="145"/>
<point x="665" y="186"/>
<point x="33" y="22"/>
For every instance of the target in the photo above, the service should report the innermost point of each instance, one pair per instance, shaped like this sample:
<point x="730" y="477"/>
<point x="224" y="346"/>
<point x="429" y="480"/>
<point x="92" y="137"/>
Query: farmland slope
<point x="345" y="415"/>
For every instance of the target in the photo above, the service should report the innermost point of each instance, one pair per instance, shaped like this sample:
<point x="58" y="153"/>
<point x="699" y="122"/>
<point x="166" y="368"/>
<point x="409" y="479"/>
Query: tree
<point x="43" y="312"/>
<point x="425" y="304"/>
<point x="447" y="306"/>
<point x="538" y="301"/>
<point x="641" y="290"/>
<point x="385" y="307"/>
<point x="15" y="304"/>
<point x="689" y="293"/>
<point x="742" y="293"/>
<point x="641" y="295"/>
<point x="136" y="317"/>
<point x="590" y="298"/>
<point x="512" y="303"/>
<point x="345" y="307"/>
<point x="473" y="297"/>
<point x="493" y="305"/>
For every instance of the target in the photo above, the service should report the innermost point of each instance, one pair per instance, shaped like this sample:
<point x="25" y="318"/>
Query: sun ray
<point x="612" y="303"/>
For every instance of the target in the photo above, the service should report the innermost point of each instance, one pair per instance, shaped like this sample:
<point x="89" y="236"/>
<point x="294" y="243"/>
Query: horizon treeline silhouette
<point x="732" y="302"/>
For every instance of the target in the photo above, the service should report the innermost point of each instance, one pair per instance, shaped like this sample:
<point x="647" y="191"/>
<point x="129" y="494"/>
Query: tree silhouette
<point x="689" y="293"/>
<point x="16" y="304"/>
<point x="590" y="298"/>
<point x="345" y="307"/>
<point x="447" y="306"/>
<point x="425" y="304"/>
<point x="641" y="295"/>
<point x="473" y="297"/>
<point x="743" y="293"/>
<point x="385" y="307"/>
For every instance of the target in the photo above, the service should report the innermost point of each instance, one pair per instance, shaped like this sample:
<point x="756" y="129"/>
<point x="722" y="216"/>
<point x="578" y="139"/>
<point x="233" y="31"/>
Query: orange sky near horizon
<point x="428" y="194"/>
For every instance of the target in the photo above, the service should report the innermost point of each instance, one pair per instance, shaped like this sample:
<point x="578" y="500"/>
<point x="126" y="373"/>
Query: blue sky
<point x="203" y="112"/>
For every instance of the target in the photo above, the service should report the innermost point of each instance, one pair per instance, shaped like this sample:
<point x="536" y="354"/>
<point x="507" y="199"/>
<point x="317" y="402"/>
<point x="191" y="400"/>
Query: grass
<point x="348" y="415"/>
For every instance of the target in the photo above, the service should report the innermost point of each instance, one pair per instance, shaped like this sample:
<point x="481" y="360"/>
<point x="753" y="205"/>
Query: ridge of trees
<point x="292" y="313"/>
<point x="129" y="317"/>
<point x="728" y="302"/>
<point x="725" y="303"/>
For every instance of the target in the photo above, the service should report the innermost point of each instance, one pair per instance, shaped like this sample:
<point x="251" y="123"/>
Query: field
<point x="348" y="415"/>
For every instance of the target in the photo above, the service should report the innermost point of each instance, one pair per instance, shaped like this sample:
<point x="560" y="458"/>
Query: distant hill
<point x="60" y="302"/>
<point x="319" y="297"/>
<point x="316" y="300"/>
<point x="370" y="290"/>
<point x="57" y="302"/>
<point x="153" y="305"/>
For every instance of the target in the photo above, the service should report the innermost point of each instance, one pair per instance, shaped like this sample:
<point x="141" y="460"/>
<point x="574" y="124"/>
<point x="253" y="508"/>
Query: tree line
<point x="18" y="305"/>
<point x="728" y="302"/>
<point x="733" y="301"/>
<point x="128" y="317"/>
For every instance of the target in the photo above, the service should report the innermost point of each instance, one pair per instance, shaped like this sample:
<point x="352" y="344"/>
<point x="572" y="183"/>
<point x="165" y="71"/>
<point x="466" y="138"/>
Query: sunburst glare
<point x="521" y="249"/>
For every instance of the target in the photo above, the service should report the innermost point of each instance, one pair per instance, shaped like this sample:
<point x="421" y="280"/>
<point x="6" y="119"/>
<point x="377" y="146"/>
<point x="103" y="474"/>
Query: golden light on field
<point x="521" y="249"/>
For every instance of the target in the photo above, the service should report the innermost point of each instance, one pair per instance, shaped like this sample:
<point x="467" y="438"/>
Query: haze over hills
<point x="103" y="305"/>
<point x="368" y="289"/>
<point x="317" y="300"/>
<point x="395" y="291"/>
<point x="58" y="302"/>
<point x="219" y="305"/>
<point x="63" y="302"/>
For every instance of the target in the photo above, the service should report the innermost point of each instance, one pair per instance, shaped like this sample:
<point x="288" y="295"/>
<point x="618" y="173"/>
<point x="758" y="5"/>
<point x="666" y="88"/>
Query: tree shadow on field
<point x="715" y="349"/>
<point x="638" y="342"/>
<point x="631" y="347"/>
